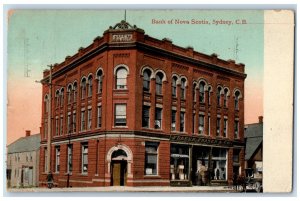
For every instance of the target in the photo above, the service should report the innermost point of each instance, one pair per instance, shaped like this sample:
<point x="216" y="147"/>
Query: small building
<point x="254" y="146"/>
<point x="23" y="161"/>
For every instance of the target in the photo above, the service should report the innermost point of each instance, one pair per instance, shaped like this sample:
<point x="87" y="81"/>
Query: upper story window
<point x="174" y="86"/>
<point x="121" y="78"/>
<point x="158" y="83"/>
<point x="194" y="91"/>
<point x="57" y="97"/>
<point x="201" y="124"/>
<point x="146" y="116"/>
<point x="226" y="93"/>
<point x="62" y="97"/>
<point x="183" y="86"/>
<point x="69" y="93"/>
<point x="219" y="96"/>
<point x="75" y="92"/>
<point x="83" y="88"/>
<point x="225" y="127"/>
<point x="236" y="129"/>
<point x="173" y="120"/>
<point x="218" y="126"/>
<point x="158" y="118"/>
<point x="182" y="122"/>
<point x="146" y="80"/>
<point x="209" y="94"/>
<point x="46" y="103"/>
<point x="99" y="81"/>
<point x="90" y="86"/>
<point x="120" y="115"/>
<point x="236" y="100"/>
<point x="202" y="93"/>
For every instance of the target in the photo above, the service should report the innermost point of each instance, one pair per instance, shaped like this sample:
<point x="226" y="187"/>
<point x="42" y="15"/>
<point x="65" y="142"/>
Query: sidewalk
<point x="207" y="189"/>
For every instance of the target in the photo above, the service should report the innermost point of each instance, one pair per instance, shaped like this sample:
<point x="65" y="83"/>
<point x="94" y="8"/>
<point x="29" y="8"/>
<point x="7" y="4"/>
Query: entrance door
<point x="119" y="173"/>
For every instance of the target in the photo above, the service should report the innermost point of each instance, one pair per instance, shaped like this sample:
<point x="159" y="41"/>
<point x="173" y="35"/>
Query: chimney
<point x="27" y="132"/>
<point x="260" y="119"/>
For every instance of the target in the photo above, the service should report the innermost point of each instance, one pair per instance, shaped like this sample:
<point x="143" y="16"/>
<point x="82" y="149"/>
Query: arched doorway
<point x="118" y="168"/>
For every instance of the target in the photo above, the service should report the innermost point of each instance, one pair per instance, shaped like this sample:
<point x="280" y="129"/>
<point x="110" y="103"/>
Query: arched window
<point x="236" y="100"/>
<point x="183" y="83"/>
<point x="158" y="82"/>
<point x="226" y="92"/>
<point x="99" y="78"/>
<point x="219" y="96"/>
<point x="62" y="93"/>
<point x="46" y="103"/>
<point x="174" y="86"/>
<point x="209" y="95"/>
<point x="57" y="97"/>
<point x="75" y="92"/>
<point x="201" y="94"/>
<point x="121" y="79"/>
<point x="194" y="91"/>
<point x="146" y="80"/>
<point x="90" y="85"/>
<point x="69" y="92"/>
<point x="83" y="88"/>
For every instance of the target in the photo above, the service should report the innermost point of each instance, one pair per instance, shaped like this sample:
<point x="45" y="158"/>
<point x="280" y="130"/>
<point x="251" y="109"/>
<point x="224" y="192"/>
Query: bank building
<point x="133" y="110"/>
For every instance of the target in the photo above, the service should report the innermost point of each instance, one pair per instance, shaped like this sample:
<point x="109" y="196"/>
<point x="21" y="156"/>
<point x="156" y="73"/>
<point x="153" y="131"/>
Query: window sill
<point x="152" y="176"/>
<point x="120" y="127"/>
<point x="68" y="173"/>
<point x="83" y="174"/>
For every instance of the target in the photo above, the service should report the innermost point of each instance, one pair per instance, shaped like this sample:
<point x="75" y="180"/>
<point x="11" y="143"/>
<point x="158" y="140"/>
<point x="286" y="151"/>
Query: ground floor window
<point x="219" y="161"/>
<point x="179" y="167"/>
<point x="151" y="158"/>
<point x="84" y="158"/>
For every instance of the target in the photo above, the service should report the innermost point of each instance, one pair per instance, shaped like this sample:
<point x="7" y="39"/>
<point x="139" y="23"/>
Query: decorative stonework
<point x="123" y="25"/>
<point x="203" y="72"/>
<point x="180" y="66"/>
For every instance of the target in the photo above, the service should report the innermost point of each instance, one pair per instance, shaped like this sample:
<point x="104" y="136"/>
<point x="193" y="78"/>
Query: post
<point x="50" y="122"/>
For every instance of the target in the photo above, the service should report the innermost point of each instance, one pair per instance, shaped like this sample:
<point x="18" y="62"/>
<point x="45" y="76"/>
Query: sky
<point x="37" y="38"/>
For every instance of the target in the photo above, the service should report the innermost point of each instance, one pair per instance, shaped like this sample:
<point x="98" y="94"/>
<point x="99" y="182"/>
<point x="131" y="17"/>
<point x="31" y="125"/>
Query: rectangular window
<point x="151" y="158"/>
<point x="209" y="126"/>
<point x="74" y="122"/>
<point x="84" y="158"/>
<point x="225" y="128"/>
<point x="236" y="154"/>
<point x="236" y="129"/>
<point x="201" y="124"/>
<point x="61" y="125"/>
<point x="218" y="126"/>
<point x="69" y="162"/>
<point x="146" y="116"/>
<point x="57" y="157"/>
<point x="219" y="165"/>
<point x="120" y="115"/>
<point x="193" y="128"/>
<point x="82" y="126"/>
<point x="158" y="117"/>
<point x="56" y="126"/>
<point x="89" y="122"/>
<point x="45" y="128"/>
<point x="182" y="121"/>
<point x="99" y="116"/>
<point x="173" y="123"/>
<point x="69" y="124"/>
<point x="45" y="155"/>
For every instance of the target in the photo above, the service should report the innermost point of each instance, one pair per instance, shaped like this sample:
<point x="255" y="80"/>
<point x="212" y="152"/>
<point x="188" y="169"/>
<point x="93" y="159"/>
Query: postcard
<point x="149" y="100"/>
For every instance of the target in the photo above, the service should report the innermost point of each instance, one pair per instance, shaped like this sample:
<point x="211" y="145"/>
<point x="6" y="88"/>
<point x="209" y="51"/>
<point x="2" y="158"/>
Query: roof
<point x="254" y="138"/>
<point x="25" y="144"/>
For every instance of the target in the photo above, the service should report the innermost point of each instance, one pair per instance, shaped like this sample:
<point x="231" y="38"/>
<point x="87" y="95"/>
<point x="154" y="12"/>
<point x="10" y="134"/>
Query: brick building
<point x="133" y="110"/>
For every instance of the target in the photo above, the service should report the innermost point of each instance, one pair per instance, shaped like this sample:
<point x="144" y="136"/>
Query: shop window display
<point x="219" y="161"/>
<point x="179" y="162"/>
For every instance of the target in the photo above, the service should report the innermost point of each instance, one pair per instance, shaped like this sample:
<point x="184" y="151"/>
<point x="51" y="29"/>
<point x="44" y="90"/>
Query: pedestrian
<point x="202" y="171"/>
